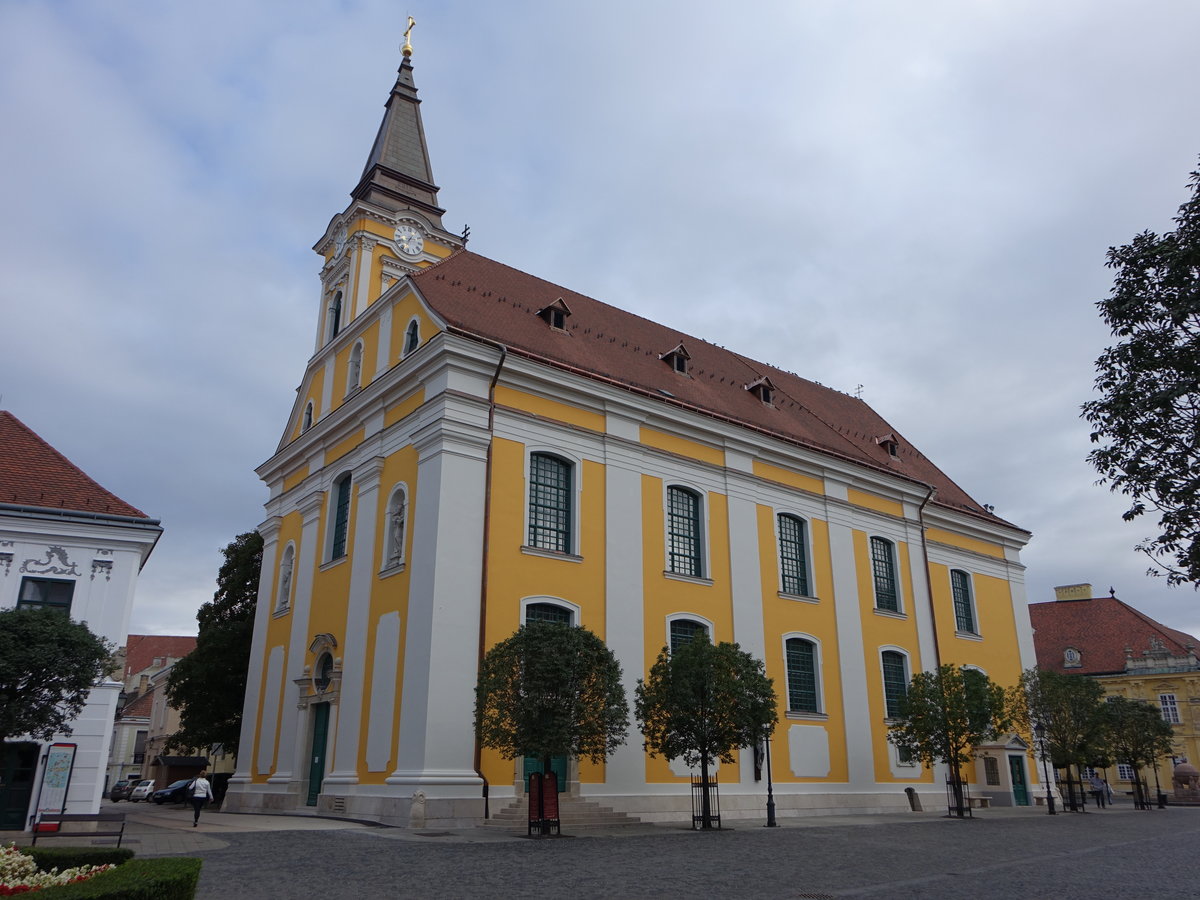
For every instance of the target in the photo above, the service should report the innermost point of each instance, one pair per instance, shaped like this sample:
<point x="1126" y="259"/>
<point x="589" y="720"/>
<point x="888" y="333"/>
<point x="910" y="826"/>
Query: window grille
<point x="683" y="532"/>
<point x="802" y="676"/>
<point x="883" y="566"/>
<point x="793" y="552"/>
<point x="895" y="682"/>
<point x="549" y="503"/>
<point x="964" y="607"/>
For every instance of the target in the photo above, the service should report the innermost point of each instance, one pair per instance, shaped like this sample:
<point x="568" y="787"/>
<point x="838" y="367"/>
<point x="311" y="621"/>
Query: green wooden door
<point x="558" y="765"/>
<point x="18" y="764"/>
<point x="1016" y="765"/>
<point x="316" y="769"/>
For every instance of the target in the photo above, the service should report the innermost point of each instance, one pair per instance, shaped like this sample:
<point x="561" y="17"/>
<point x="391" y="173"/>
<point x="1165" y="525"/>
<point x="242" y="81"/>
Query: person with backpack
<point x="199" y="792"/>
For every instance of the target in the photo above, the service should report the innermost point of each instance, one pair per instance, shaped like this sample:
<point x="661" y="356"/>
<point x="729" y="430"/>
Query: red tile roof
<point x="1100" y="629"/>
<point x="142" y="649"/>
<point x="32" y="473"/>
<point x="480" y="297"/>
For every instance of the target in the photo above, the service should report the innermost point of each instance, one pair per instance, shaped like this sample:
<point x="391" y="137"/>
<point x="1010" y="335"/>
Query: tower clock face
<point x="410" y="241"/>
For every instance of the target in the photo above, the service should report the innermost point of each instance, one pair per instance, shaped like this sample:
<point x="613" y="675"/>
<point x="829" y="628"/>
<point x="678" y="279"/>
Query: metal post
<point x="771" y="823"/>
<point x="1040" y="733"/>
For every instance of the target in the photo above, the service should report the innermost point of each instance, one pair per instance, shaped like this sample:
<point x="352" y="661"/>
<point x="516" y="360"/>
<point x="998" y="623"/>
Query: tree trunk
<point x="956" y="785"/>
<point x="705" y="806"/>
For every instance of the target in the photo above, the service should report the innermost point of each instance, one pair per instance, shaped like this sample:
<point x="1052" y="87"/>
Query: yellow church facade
<point x="472" y="448"/>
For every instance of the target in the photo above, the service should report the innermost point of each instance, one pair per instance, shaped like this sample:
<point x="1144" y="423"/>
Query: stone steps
<point x="572" y="813"/>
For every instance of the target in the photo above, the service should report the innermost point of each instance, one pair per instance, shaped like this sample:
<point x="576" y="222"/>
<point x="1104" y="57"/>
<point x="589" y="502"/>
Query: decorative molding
<point x="6" y="559"/>
<point x="102" y="565"/>
<point x="47" y="566"/>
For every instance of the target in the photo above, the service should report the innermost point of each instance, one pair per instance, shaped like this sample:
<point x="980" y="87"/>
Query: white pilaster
<point x="624" y="632"/>
<point x="855" y="659"/>
<point x="291" y="741"/>
<point x="258" y="646"/>
<point x="437" y="741"/>
<point x="362" y="577"/>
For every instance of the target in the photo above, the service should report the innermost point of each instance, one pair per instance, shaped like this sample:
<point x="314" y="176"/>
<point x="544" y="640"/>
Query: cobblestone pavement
<point x="1005" y="853"/>
<point x="1114" y="854"/>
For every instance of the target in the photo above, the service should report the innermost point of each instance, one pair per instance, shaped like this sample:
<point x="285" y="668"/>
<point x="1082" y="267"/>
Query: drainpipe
<point x="487" y="521"/>
<point x="937" y="652"/>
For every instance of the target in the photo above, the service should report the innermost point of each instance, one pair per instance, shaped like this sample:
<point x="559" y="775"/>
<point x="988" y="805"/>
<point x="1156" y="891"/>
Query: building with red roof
<point x="473" y="447"/>
<point x="1129" y="653"/>
<point x="67" y="545"/>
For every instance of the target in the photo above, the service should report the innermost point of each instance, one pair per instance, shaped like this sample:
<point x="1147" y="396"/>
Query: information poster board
<point x="56" y="778"/>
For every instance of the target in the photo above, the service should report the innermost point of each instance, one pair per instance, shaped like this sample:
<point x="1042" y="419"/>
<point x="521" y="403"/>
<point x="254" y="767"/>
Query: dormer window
<point x="763" y="389"/>
<point x="889" y="443"/>
<point x="677" y="359"/>
<point x="555" y="315"/>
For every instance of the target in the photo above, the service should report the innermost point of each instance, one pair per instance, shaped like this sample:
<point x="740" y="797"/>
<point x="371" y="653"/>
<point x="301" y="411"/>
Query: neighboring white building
<point x="68" y="543"/>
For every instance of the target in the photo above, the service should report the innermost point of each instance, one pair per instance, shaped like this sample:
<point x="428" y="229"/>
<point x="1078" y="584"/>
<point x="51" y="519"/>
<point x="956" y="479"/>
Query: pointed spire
<point x="397" y="174"/>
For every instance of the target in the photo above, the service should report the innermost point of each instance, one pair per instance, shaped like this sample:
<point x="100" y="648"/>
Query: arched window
<point x="341" y="516"/>
<point x="308" y="417"/>
<point x="895" y="681"/>
<point x="964" y="602"/>
<point x="397" y="526"/>
<point x="412" y="337"/>
<point x="286" y="567"/>
<point x="883" y="567"/>
<point x="684" y="631"/>
<point x="354" y="369"/>
<point x="550" y="515"/>
<point x="684" y="537"/>
<point x="803" y="693"/>
<point x="793" y="555"/>
<point x="335" y="316"/>
<point x="548" y="612"/>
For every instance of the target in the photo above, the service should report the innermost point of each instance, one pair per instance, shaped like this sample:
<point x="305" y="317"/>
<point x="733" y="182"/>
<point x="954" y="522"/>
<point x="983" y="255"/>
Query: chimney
<point x="1073" y="592"/>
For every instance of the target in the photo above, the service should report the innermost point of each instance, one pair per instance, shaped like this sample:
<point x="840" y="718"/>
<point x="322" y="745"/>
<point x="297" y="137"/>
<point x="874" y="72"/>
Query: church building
<point x="472" y="447"/>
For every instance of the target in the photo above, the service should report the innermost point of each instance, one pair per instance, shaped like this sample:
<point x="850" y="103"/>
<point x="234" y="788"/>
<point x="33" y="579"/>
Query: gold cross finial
<point x="407" y="48"/>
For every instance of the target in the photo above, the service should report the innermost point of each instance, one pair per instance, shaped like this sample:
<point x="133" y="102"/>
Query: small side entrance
<point x="558" y="765"/>
<point x="316" y="769"/>
<point x="18" y="765"/>
<point x="1016" y="765"/>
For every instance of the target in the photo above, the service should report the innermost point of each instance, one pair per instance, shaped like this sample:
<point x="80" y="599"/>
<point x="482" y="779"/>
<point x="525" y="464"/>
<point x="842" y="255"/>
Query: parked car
<point x="175" y="792"/>
<point x="143" y="790"/>
<point x="121" y="791"/>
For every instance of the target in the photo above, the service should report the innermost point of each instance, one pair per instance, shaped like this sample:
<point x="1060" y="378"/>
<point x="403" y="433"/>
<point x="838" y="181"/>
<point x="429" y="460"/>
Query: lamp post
<point x="771" y="823"/>
<point x="1039" y="733"/>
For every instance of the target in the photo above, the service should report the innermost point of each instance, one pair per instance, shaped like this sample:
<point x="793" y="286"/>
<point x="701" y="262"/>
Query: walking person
<point x="199" y="792"/>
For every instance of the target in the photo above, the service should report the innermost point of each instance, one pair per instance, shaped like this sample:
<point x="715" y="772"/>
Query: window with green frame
<point x="46" y="593"/>
<point x="550" y="488"/>
<point x="548" y="612"/>
<point x="802" y="676"/>
<point x="895" y="681"/>
<point x="341" y="517"/>
<point x="964" y="601"/>
<point x="684" y="538"/>
<point x="793" y="555"/>
<point x="684" y="631"/>
<point x="883" y="567"/>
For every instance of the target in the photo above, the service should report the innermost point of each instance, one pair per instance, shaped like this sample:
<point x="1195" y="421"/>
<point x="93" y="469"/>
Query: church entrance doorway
<point x="316" y="769"/>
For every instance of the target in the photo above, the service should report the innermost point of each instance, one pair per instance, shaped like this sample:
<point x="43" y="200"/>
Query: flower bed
<point x="19" y="874"/>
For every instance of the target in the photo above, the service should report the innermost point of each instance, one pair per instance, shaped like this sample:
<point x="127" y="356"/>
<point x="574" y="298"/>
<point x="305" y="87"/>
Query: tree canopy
<point x="1137" y="733"/>
<point x="704" y="701"/>
<point x="208" y="686"/>
<point x="947" y="714"/>
<point x="1070" y="709"/>
<point x="551" y="690"/>
<point x="1147" y="418"/>
<point x="48" y="666"/>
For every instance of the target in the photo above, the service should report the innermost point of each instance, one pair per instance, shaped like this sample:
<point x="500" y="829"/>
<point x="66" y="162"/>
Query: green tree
<point x="1069" y="710"/>
<point x="208" y="685"/>
<point x="1137" y="736"/>
<point x="703" y="702"/>
<point x="1147" y="419"/>
<point x="947" y="714"/>
<point x="48" y="666"/>
<point x="551" y="690"/>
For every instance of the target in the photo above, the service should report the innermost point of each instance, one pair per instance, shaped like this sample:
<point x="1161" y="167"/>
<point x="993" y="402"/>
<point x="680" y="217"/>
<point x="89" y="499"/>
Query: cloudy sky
<point x="911" y="197"/>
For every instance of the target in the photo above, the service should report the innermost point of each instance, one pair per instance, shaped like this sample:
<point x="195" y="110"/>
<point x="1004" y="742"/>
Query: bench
<point x="980" y="802"/>
<point x="115" y="822"/>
